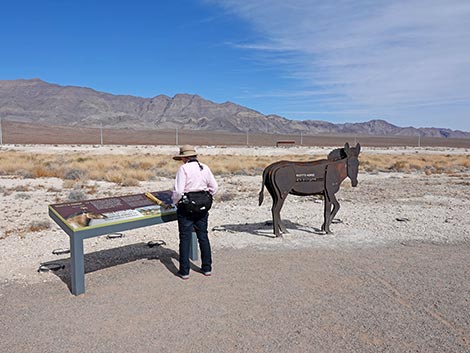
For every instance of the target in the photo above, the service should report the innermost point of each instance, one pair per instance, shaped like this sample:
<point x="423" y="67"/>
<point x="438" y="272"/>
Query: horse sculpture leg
<point x="278" y="225"/>
<point x="275" y="210"/>
<point x="336" y="207"/>
<point x="326" y="213"/>
<point x="282" y="225"/>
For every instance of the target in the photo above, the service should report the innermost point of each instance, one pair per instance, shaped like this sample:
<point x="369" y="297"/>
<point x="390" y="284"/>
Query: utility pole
<point x="247" y="137"/>
<point x="176" y="137"/>
<point x="101" y="134"/>
<point x="1" y="134"/>
<point x="301" y="139"/>
<point x="419" y="140"/>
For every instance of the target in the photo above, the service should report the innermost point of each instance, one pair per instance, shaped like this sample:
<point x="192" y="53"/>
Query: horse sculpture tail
<point x="261" y="193"/>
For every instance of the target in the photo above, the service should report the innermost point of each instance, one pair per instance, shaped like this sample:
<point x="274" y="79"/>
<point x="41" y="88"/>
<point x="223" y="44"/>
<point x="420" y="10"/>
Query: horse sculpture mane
<point x="319" y="177"/>
<point x="336" y="154"/>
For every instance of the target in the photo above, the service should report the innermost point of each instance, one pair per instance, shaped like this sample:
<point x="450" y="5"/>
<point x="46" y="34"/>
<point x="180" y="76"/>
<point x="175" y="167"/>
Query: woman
<point x="192" y="176"/>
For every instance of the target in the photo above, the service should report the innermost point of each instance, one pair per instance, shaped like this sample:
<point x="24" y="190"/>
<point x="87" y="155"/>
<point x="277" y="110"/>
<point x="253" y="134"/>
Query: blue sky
<point x="405" y="61"/>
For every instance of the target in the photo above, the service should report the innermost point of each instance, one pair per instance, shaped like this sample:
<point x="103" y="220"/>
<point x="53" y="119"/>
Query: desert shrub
<point x="4" y="191"/>
<point x="130" y="182"/>
<point x="76" y="195"/>
<point x="367" y="166"/>
<point x="21" y="188"/>
<point x="142" y="165"/>
<point x="114" y="177"/>
<point x="428" y="170"/>
<point x="7" y="233"/>
<point x="139" y="174"/>
<point x="165" y="173"/>
<point x="414" y="167"/>
<point x="68" y="184"/>
<point x="22" y="196"/>
<point x="225" y="196"/>
<point x="399" y="166"/>
<point x="92" y="189"/>
<point x="466" y="162"/>
<point x="26" y="174"/>
<point x="42" y="172"/>
<point x="74" y="174"/>
<point x="161" y="164"/>
<point x="229" y="166"/>
<point x="37" y="226"/>
<point x="131" y="176"/>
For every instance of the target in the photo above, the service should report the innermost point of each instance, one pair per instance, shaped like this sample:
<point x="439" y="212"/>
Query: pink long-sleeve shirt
<point x="191" y="178"/>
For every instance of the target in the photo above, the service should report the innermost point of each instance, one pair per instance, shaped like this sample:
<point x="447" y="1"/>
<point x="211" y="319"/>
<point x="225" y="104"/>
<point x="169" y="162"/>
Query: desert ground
<point x="14" y="132"/>
<point x="392" y="277"/>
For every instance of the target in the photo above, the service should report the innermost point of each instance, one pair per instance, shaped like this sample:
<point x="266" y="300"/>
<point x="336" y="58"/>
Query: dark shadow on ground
<point x="264" y="228"/>
<point x="102" y="259"/>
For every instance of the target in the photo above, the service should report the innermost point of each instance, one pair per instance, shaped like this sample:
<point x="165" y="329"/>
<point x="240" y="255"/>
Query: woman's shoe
<point x="183" y="276"/>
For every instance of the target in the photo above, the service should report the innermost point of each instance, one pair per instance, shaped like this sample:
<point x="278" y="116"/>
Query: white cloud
<point x="384" y="56"/>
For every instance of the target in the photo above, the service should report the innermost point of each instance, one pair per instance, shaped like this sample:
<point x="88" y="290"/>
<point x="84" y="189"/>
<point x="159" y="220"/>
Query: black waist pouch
<point x="196" y="201"/>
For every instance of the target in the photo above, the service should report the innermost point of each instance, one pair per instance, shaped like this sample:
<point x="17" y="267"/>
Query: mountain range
<point x="36" y="101"/>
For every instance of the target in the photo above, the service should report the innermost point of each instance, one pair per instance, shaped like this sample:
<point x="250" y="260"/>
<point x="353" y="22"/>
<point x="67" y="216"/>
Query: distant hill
<point x="41" y="102"/>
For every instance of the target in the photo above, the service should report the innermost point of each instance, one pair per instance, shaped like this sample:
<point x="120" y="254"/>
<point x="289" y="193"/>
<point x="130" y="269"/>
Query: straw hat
<point x="186" y="151"/>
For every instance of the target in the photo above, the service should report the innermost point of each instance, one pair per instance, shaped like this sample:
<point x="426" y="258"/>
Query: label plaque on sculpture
<point x="96" y="213"/>
<point x="305" y="177"/>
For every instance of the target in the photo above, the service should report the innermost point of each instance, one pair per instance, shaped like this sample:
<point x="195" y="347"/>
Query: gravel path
<point x="412" y="298"/>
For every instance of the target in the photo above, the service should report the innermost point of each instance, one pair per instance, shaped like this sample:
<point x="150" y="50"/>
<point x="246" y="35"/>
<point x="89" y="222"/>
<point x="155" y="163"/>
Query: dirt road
<point x="411" y="297"/>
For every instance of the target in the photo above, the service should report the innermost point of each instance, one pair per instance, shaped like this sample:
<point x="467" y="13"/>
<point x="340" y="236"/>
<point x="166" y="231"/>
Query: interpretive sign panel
<point x="91" y="214"/>
<point x="91" y="218"/>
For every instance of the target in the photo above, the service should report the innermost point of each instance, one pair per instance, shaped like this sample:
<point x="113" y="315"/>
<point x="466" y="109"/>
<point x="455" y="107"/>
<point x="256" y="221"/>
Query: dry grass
<point x="429" y="164"/>
<point x="129" y="170"/>
<point x="33" y="226"/>
<point x="125" y="170"/>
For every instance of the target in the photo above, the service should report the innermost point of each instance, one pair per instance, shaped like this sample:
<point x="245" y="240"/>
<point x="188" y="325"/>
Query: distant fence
<point x="12" y="132"/>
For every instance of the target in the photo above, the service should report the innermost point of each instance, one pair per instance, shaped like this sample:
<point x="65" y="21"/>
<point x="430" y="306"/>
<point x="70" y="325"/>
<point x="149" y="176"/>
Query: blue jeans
<point x="186" y="223"/>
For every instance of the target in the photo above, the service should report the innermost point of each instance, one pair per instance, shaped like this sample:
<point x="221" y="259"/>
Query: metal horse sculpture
<point x="320" y="177"/>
